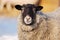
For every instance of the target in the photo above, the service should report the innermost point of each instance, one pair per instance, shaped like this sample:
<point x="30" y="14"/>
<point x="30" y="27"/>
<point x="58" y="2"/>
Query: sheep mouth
<point x="28" y="28"/>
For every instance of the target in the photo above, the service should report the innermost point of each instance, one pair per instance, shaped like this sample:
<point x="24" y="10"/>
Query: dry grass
<point x="7" y="6"/>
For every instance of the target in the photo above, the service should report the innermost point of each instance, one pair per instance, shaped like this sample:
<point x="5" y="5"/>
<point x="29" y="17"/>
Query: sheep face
<point x="28" y="13"/>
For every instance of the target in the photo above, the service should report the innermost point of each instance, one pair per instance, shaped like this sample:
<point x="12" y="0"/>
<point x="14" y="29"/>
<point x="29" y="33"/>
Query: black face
<point x="29" y="13"/>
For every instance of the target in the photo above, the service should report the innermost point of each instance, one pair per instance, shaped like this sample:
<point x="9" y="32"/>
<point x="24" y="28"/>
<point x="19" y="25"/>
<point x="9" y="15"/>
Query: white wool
<point x="48" y="28"/>
<point x="55" y="14"/>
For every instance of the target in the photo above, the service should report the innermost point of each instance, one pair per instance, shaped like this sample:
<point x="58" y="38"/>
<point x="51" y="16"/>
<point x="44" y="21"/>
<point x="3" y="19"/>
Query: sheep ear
<point x="39" y="8"/>
<point x="19" y="7"/>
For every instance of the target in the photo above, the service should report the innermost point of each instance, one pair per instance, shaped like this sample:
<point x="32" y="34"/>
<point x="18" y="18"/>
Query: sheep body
<point x="48" y="29"/>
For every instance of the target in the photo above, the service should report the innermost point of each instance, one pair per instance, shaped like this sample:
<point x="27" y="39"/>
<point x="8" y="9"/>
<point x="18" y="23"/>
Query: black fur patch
<point x="28" y="10"/>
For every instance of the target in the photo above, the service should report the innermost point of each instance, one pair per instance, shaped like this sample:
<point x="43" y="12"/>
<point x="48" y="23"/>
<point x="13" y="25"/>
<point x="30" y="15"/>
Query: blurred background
<point x="8" y="15"/>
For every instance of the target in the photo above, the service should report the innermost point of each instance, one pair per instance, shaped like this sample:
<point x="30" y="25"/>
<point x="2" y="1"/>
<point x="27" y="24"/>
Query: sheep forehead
<point x="28" y="5"/>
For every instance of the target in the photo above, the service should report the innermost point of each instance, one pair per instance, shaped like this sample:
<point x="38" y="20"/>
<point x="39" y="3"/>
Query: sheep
<point x="34" y="25"/>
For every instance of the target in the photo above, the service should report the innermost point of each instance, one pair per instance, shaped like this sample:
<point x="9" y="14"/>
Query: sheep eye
<point x="22" y="10"/>
<point x="34" y="10"/>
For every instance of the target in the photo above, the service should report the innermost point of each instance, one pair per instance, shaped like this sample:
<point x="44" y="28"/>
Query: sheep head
<point x="28" y="13"/>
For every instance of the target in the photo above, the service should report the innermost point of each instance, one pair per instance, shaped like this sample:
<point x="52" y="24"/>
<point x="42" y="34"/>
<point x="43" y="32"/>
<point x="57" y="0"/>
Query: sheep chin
<point x="29" y="28"/>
